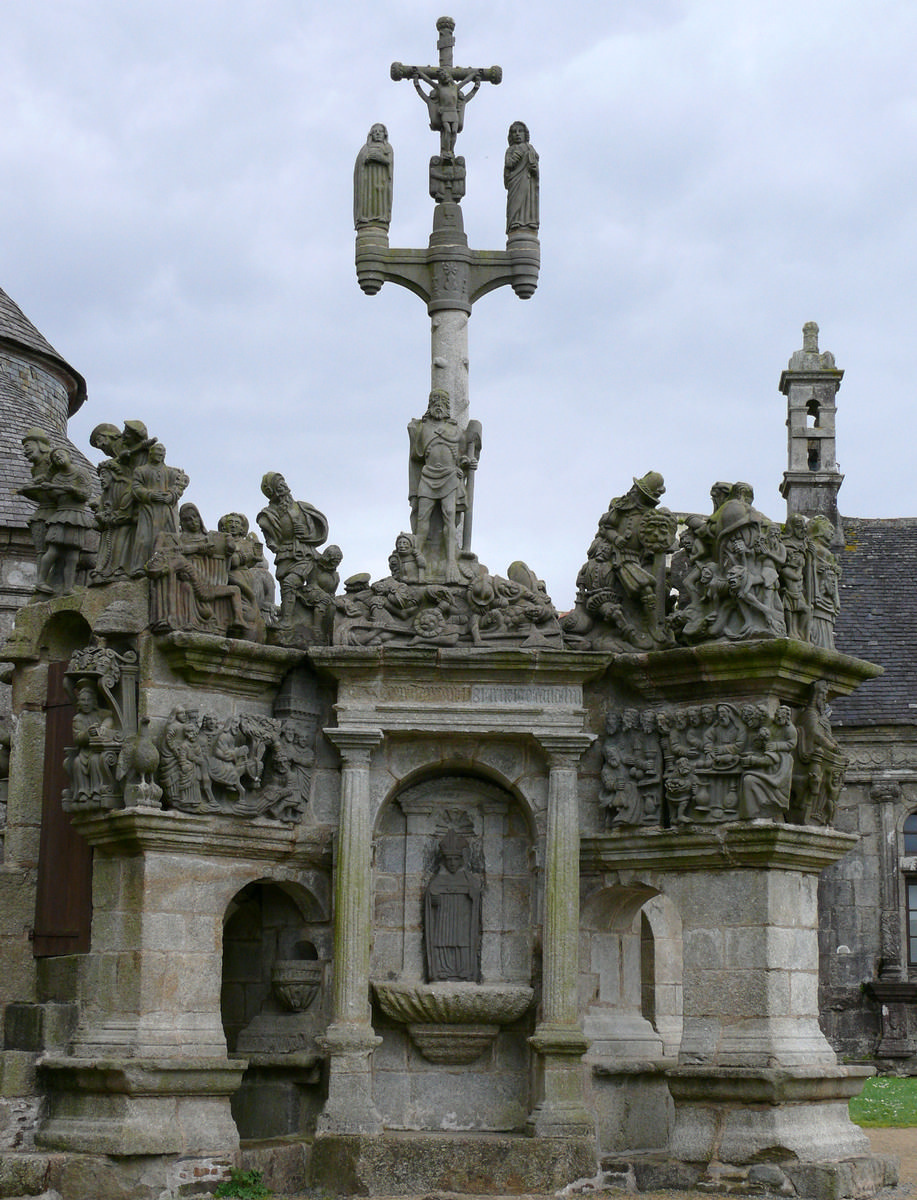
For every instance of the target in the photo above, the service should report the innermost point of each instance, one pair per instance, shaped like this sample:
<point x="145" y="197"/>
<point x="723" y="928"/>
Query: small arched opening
<point x="274" y="1004"/>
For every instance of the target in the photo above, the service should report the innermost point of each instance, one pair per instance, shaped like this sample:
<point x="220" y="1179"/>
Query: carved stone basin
<point x="296" y="982"/>
<point x="453" y="1022"/>
<point x="454" y="1003"/>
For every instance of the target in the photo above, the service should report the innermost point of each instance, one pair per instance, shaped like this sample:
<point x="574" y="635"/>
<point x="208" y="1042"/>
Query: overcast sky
<point x="177" y="198"/>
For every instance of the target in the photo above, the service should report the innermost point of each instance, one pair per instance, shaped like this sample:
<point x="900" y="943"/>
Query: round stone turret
<point x="39" y="389"/>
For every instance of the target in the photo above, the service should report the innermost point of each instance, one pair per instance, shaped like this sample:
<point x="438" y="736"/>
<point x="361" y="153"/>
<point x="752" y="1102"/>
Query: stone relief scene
<point x="343" y="859"/>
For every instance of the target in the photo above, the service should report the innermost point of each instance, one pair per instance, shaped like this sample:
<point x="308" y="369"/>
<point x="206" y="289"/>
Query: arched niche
<point x="630" y="973"/>
<point x="497" y="828"/>
<point x="275" y="1002"/>
<point x="267" y="924"/>
<point x="62" y="634"/>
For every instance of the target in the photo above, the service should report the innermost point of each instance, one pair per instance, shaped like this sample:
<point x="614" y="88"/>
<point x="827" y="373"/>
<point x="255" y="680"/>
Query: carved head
<point x="648" y="720"/>
<point x="518" y="133"/>
<point x="105" y="437"/>
<point x="821" y="529"/>
<point x="452" y="849"/>
<point x="612" y="721"/>
<point x="743" y="491"/>
<point x="60" y="459"/>
<point x="34" y="444"/>
<point x="404" y="543"/>
<point x="719" y="494"/>
<point x="274" y="486"/>
<point x="157" y="453"/>
<point x="190" y="520"/>
<point x="86" y="698"/>
<point x="378" y="133"/>
<point x="796" y="525"/>
<point x="438" y="405"/>
<point x="651" y="486"/>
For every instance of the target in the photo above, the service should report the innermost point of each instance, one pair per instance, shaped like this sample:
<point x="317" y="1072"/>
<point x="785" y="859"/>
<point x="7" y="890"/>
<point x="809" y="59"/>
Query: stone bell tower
<point x="810" y="384"/>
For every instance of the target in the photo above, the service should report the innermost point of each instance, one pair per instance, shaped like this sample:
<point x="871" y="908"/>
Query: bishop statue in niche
<point x="452" y="916"/>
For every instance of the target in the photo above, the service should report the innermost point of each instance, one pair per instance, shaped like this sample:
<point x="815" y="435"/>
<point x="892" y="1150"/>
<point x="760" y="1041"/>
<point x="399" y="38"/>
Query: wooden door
<point x="63" y="902"/>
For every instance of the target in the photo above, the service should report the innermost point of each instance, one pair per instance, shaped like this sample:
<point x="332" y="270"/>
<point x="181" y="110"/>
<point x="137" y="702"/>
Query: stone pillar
<point x="755" y="1073"/>
<point x="558" y="1038"/>
<point x="892" y="991"/>
<point x="449" y="359"/>
<point x="350" y="1040"/>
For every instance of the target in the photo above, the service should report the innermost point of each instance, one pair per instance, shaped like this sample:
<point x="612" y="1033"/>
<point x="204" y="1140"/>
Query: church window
<point x="910" y="888"/>
<point x="910" y="834"/>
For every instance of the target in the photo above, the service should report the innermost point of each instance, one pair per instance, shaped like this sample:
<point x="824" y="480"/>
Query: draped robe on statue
<point x="452" y="926"/>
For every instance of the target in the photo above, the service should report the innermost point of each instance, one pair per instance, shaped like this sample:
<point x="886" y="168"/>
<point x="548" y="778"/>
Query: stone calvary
<point x="415" y="883"/>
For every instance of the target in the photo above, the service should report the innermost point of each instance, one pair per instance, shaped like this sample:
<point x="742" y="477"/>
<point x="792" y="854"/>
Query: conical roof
<point x="37" y="388"/>
<point x="16" y="330"/>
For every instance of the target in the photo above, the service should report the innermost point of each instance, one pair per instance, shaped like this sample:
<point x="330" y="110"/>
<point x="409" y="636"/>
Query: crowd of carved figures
<point x="649" y="581"/>
<point x="708" y="763"/>
<point x="245" y="765"/>
<point x="731" y="576"/>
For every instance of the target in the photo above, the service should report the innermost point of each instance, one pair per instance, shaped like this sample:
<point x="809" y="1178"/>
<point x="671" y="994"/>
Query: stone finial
<point x="809" y="358"/>
<point x="810" y="337"/>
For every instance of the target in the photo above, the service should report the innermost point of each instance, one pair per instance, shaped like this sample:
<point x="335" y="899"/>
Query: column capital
<point x="564" y="749"/>
<point x="354" y="745"/>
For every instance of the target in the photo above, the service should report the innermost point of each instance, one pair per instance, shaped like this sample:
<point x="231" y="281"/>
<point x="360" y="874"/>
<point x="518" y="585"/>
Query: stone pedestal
<point x="756" y="1078"/>
<point x="148" y="1072"/>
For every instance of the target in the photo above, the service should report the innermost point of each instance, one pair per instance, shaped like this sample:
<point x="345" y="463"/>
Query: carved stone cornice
<point x="716" y="671"/>
<point x="768" y="846"/>
<point x="227" y="664"/>
<point x="141" y="830"/>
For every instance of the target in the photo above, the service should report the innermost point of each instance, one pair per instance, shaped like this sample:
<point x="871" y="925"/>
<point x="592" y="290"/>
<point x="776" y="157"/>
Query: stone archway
<point x="274" y="1005"/>
<point x="631" y="990"/>
<point x="454" y="1053"/>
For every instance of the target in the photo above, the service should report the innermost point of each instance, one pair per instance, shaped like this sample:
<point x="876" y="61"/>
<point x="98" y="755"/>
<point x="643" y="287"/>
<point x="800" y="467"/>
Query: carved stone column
<point x="560" y="1110"/>
<point x="886" y="794"/>
<point x="350" y="1040"/>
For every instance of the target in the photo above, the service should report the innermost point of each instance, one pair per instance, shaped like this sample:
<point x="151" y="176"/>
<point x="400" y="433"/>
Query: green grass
<point x="244" y="1185"/>
<point x="886" y="1100"/>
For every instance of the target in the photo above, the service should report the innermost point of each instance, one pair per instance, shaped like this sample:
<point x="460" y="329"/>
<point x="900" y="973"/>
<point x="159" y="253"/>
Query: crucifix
<point x="447" y="275"/>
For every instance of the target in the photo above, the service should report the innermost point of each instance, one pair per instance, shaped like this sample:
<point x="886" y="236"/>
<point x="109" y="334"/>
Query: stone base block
<point x="98" y="1177"/>
<point x="398" y="1164"/>
<point x="284" y="1163"/>
<point x="731" y="1115"/>
<point x="140" y="1106"/>
<point x="857" y="1178"/>
<point x="632" y="1105"/>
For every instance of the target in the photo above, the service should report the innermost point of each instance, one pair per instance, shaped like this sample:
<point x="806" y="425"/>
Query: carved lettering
<point x="555" y="694"/>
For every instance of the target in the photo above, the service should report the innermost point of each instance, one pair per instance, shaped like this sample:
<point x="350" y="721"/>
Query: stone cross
<point x="446" y="101"/>
<point x="447" y="275"/>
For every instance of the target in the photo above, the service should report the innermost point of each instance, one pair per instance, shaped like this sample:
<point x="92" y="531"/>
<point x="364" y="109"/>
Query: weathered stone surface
<point x="405" y="1163"/>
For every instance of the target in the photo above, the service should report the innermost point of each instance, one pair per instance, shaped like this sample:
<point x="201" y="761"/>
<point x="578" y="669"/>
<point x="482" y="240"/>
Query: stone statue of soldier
<point x="292" y="530"/>
<point x="439" y="462"/>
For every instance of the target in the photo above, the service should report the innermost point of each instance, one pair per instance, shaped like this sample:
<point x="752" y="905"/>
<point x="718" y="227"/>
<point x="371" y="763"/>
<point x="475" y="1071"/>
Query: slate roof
<point x="878" y="619"/>
<point x="17" y="330"/>
<point x="20" y="409"/>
